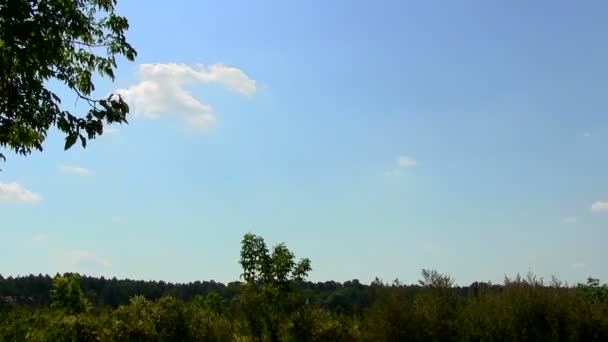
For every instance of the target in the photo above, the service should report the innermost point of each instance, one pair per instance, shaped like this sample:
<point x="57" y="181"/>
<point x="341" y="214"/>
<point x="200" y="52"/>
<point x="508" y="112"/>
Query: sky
<point x="375" y="138"/>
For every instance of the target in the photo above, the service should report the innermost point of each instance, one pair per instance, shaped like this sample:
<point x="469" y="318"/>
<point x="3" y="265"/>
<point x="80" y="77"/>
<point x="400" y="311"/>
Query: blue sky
<point x="375" y="138"/>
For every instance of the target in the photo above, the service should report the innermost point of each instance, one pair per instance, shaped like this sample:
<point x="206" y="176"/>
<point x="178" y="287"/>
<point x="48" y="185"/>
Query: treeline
<point x="275" y="303"/>
<point x="522" y="309"/>
<point x="349" y="297"/>
<point x="34" y="290"/>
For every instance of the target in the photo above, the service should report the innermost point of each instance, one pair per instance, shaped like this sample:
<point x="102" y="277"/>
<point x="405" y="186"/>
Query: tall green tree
<point x="270" y="294"/>
<point x="67" y="295"/>
<point x="66" y="41"/>
<point x="595" y="292"/>
<point x="436" y="306"/>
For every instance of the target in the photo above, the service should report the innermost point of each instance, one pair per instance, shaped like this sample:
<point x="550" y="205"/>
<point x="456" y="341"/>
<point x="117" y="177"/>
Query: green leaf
<point x="46" y="41"/>
<point x="125" y="108"/>
<point x="70" y="140"/>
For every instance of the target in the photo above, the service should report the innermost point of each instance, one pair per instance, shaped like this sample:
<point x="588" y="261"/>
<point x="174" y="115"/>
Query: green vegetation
<point x="274" y="303"/>
<point x="67" y="42"/>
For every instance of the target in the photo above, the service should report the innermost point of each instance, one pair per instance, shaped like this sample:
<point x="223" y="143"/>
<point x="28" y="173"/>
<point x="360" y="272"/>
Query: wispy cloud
<point x="14" y="192"/>
<point x="161" y="90"/>
<point x="587" y="134"/>
<point x="402" y="163"/>
<point x="40" y="237"/>
<point x="110" y="130"/>
<point x="579" y="265"/>
<point x="599" y="206"/>
<point x="77" y="258"/>
<point x="431" y="247"/>
<point x="405" y="161"/>
<point x="570" y="220"/>
<point x="75" y="170"/>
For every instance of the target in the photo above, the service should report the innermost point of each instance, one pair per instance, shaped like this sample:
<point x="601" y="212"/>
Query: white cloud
<point x="17" y="193"/>
<point x="76" y="170"/>
<point x="570" y="220"/>
<point x="587" y="134"/>
<point x="77" y="258"/>
<point x="431" y="247"/>
<point x="161" y="90"/>
<point x="402" y="163"/>
<point x="579" y="265"/>
<point x="110" y="130"/>
<point x="599" y="206"/>
<point x="405" y="161"/>
<point x="40" y="237"/>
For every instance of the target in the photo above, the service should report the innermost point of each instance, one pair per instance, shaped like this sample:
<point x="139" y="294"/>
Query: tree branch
<point x="88" y="44"/>
<point x="91" y="102"/>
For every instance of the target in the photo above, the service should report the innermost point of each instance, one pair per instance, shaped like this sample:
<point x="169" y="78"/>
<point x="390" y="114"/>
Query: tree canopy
<point x="68" y="41"/>
<point x="67" y="294"/>
<point x="269" y="295"/>
<point x="276" y="304"/>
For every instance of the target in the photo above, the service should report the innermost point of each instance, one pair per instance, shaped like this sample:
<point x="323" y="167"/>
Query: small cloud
<point x="78" y="258"/>
<point x="402" y="163"/>
<point x="161" y="90"/>
<point x="75" y="170"/>
<point x="14" y="192"/>
<point x="405" y="161"/>
<point x="570" y="220"/>
<point x="431" y="247"/>
<point x="40" y="237"/>
<point x="599" y="206"/>
<point x="587" y="134"/>
<point x="110" y="130"/>
<point x="579" y="265"/>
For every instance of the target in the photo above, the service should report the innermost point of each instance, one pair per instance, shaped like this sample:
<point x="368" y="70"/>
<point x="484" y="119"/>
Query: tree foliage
<point x="66" y="41"/>
<point x="270" y="306"/>
<point x="269" y="295"/>
<point x="594" y="291"/>
<point x="67" y="295"/>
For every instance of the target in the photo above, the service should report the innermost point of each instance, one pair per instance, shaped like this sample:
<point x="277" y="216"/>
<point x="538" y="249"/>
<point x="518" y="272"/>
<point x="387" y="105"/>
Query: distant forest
<point x="274" y="302"/>
<point x="349" y="297"/>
